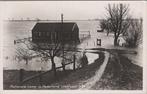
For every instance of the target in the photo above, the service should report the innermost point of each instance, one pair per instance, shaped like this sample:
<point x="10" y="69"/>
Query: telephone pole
<point x="62" y="18"/>
<point x="62" y="36"/>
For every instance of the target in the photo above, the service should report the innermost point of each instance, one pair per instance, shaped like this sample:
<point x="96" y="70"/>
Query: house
<point x="67" y="32"/>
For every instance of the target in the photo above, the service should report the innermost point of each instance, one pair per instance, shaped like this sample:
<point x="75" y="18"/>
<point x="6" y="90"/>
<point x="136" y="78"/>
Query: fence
<point x="22" y="40"/>
<point x="21" y="72"/>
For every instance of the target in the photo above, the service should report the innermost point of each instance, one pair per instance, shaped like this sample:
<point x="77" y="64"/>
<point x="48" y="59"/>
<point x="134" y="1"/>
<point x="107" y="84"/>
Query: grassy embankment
<point x="120" y="74"/>
<point x="64" y="80"/>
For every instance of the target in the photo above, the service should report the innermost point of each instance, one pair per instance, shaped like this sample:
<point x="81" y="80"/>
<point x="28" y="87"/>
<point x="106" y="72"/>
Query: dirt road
<point x="91" y="82"/>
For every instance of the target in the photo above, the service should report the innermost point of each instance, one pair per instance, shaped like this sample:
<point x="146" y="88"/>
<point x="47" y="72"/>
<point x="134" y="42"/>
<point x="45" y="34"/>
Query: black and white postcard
<point x="97" y="46"/>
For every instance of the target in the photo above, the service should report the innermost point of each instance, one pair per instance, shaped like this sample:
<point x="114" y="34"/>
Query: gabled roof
<point x="54" y="27"/>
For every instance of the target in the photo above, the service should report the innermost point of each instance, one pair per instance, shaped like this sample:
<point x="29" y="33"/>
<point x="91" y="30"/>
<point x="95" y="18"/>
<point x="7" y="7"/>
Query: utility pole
<point x="62" y="36"/>
<point x="61" y="33"/>
<point x="62" y="18"/>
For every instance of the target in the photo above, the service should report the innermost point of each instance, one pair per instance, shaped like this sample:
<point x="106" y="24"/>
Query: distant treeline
<point x="60" y="20"/>
<point x="56" y="20"/>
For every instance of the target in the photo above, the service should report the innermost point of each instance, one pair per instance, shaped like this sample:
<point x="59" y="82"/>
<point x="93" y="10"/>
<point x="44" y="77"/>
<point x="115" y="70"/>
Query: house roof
<point x="54" y="27"/>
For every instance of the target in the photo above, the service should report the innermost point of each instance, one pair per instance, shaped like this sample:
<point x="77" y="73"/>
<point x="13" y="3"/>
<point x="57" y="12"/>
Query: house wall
<point x="50" y="36"/>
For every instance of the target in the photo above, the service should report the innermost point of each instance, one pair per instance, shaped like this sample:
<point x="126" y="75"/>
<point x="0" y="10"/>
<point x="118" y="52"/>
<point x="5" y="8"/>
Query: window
<point x="39" y="34"/>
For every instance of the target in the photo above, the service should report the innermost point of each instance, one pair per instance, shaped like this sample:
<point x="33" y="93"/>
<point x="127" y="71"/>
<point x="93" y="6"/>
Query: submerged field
<point x="22" y="29"/>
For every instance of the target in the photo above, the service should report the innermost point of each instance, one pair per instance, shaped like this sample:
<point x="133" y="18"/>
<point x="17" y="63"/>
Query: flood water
<point x="19" y="30"/>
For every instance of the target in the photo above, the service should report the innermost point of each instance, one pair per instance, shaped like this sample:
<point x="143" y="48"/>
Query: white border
<point x="144" y="91"/>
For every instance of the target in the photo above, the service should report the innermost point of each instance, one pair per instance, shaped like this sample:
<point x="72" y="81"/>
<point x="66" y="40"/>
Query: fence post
<point x="40" y="77"/>
<point x="21" y="74"/>
<point x="63" y="66"/>
<point x="74" y="64"/>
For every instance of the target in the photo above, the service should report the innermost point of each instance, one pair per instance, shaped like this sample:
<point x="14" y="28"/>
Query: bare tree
<point x="133" y="36"/>
<point x="48" y="51"/>
<point x="116" y="18"/>
<point x="23" y="54"/>
<point x="105" y="25"/>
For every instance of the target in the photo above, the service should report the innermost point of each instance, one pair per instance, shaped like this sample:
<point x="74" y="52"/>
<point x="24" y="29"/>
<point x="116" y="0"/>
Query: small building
<point x="66" y="32"/>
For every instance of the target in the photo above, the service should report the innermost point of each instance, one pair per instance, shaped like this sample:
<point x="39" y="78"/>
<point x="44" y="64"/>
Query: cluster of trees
<point x="134" y="36"/>
<point x="120" y="23"/>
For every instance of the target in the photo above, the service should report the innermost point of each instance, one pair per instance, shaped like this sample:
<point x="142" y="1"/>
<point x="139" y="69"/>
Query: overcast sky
<point x="71" y="9"/>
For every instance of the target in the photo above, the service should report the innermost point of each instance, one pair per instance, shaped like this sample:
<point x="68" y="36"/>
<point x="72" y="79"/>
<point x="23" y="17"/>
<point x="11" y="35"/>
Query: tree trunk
<point x="115" y="41"/>
<point x="53" y="66"/>
<point x="107" y="32"/>
<point x="27" y="61"/>
<point x="74" y="63"/>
